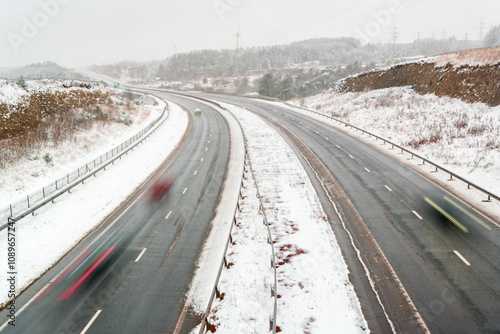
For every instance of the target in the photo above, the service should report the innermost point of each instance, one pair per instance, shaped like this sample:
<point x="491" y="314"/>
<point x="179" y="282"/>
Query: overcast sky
<point x="83" y="32"/>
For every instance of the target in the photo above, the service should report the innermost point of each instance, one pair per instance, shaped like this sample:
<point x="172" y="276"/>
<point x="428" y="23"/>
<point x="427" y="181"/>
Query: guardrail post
<point x="272" y="262"/>
<point x="10" y="210"/>
<point x="208" y="325"/>
<point x="271" y="323"/>
<point x="451" y="177"/>
<point x="28" y="199"/>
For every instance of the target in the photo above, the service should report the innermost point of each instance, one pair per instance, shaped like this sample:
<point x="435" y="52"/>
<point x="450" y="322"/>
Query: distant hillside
<point x="45" y="70"/>
<point x="472" y="76"/>
<point x="320" y="52"/>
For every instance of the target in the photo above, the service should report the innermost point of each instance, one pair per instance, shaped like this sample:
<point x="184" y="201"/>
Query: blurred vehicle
<point x="450" y="209"/>
<point x="455" y="212"/>
<point x="160" y="188"/>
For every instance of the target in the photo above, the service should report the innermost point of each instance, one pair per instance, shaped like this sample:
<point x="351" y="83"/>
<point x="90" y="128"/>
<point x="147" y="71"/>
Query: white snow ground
<point x="42" y="239"/>
<point x="314" y="292"/>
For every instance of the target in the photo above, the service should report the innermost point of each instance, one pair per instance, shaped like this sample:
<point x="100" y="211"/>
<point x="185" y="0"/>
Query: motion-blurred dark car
<point x="453" y="210"/>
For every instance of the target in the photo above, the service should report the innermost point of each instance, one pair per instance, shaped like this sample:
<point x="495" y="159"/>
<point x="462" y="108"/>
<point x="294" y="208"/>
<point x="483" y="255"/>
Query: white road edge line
<point x="416" y="214"/>
<point x="461" y="257"/>
<point x="91" y="322"/>
<point x="140" y="255"/>
<point x="388" y="188"/>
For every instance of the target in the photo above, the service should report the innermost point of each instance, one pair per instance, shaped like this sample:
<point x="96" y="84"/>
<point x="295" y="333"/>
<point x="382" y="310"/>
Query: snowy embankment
<point x="314" y="292"/>
<point x="42" y="239"/>
<point x="462" y="137"/>
<point x="31" y="168"/>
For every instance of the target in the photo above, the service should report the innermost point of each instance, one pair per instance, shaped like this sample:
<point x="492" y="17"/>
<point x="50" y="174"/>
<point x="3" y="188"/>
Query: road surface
<point x="132" y="274"/>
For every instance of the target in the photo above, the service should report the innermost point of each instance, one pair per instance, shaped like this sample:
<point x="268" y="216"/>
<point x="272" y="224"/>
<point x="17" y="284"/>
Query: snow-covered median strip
<point x="42" y="239"/>
<point x="314" y="292"/>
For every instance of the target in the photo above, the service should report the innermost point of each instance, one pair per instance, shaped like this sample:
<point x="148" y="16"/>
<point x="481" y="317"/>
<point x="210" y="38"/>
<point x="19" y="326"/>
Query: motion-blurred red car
<point x="160" y="188"/>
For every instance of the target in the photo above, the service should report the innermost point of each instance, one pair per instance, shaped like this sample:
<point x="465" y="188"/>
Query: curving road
<point x="452" y="277"/>
<point x="132" y="274"/>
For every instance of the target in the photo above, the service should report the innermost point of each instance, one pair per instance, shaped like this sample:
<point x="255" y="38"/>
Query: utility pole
<point x="394" y="34"/>
<point x="237" y="39"/>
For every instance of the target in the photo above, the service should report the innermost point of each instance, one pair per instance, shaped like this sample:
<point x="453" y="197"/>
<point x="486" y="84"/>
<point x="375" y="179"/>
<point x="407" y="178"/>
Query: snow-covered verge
<point x="463" y="137"/>
<point x="42" y="239"/>
<point x="314" y="292"/>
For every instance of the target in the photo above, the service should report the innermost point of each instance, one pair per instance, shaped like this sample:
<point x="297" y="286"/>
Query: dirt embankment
<point x="471" y="82"/>
<point x="46" y="105"/>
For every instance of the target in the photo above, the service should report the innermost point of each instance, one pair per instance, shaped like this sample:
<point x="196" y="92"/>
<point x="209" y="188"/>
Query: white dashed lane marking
<point x="140" y="255"/>
<point x="461" y="257"/>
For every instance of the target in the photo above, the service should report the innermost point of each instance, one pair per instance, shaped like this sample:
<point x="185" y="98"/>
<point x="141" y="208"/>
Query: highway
<point x="451" y="276"/>
<point x="132" y="274"/>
